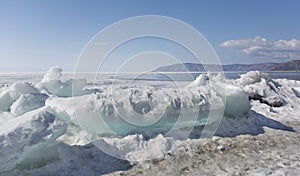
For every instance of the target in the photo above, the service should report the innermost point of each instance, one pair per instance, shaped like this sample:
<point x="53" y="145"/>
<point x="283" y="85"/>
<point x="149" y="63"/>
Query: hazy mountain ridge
<point x="293" y="65"/>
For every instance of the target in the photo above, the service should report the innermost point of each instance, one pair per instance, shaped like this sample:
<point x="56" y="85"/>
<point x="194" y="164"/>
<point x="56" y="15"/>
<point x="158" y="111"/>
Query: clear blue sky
<point x="35" y="35"/>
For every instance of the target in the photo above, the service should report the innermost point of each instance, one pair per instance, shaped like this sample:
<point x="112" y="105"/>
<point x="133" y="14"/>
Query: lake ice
<point x="46" y="120"/>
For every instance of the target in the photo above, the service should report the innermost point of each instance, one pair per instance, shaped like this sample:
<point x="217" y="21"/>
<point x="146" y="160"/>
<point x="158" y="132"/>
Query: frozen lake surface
<point x="54" y="124"/>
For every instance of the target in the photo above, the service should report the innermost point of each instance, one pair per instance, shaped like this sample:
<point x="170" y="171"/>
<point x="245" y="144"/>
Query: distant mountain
<point x="293" y="65"/>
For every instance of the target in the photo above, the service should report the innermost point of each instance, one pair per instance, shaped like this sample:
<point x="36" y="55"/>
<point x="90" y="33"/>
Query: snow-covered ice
<point x="56" y="126"/>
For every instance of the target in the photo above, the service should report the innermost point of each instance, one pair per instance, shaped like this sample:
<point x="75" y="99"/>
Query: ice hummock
<point x="52" y="84"/>
<point x="8" y="95"/>
<point x="36" y="118"/>
<point x="260" y="87"/>
<point x="29" y="140"/>
<point x="27" y="102"/>
<point x="236" y="100"/>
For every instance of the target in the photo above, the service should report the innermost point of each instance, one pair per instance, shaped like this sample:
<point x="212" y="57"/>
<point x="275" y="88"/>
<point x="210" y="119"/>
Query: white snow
<point x="251" y="77"/>
<point x="136" y="148"/>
